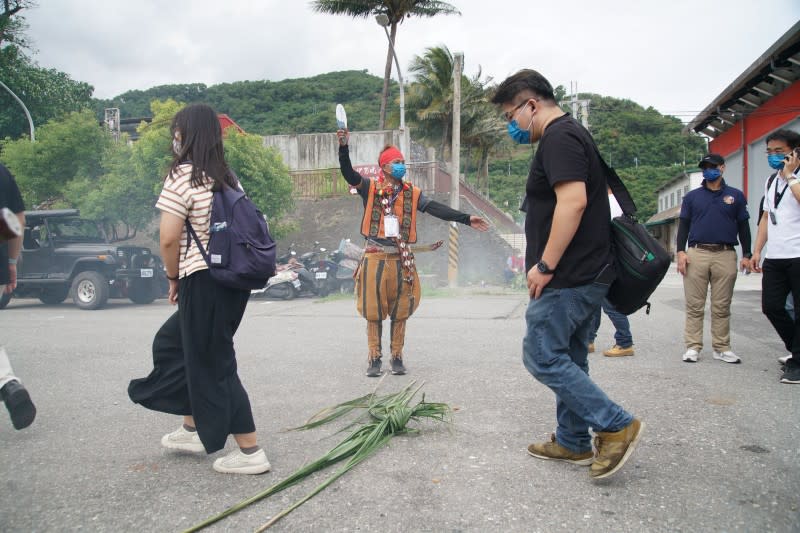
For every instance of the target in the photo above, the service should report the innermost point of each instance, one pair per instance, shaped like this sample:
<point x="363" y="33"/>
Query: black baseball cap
<point x="711" y="159"/>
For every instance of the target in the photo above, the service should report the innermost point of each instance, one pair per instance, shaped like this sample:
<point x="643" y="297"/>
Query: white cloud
<point x="675" y="56"/>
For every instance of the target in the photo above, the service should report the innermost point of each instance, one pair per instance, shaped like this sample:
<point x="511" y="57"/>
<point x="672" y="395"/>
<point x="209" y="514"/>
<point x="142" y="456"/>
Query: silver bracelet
<point x="12" y="261"/>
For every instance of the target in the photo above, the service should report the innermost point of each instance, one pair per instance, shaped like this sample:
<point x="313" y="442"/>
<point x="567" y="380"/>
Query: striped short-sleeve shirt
<point x="179" y="198"/>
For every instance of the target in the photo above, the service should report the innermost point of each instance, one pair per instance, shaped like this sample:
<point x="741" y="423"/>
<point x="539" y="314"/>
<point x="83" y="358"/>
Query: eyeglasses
<point x="778" y="151"/>
<point x="509" y="115"/>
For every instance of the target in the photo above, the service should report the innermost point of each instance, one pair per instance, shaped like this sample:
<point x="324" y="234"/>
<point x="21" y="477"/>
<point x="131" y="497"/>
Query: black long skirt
<point x="194" y="363"/>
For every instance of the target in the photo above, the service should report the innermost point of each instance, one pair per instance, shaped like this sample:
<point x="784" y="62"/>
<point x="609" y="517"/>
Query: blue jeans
<point x="622" y="333"/>
<point x="555" y="352"/>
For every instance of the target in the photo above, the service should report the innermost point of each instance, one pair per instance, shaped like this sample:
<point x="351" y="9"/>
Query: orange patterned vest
<point x="405" y="209"/>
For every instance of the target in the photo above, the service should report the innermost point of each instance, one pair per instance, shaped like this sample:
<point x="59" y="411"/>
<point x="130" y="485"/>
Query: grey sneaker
<point x="397" y="366"/>
<point x="791" y="375"/>
<point x="180" y="439"/>
<point x="727" y="356"/>
<point x="690" y="356"/>
<point x="374" y="368"/>
<point x="238" y="462"/>
<point x="782" y="360"/>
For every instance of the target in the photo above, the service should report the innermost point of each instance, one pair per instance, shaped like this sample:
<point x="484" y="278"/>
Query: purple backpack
<point x="241" y="252"/>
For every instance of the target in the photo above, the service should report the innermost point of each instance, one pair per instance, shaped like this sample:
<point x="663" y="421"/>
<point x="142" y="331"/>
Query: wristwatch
<point x="542" y="267"/>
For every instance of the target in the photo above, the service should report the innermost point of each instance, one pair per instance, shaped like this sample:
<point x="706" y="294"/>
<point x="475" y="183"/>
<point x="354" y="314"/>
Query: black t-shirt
<point x="12" y="199"/>
<point x="566" y="152"/>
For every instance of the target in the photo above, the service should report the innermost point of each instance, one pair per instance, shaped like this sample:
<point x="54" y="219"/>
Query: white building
<point x="664" y="224"/>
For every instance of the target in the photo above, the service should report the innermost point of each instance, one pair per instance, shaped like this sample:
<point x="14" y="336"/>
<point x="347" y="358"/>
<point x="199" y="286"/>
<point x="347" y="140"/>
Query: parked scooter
<point x="284" y="285"/>
<point x="323" y="270"/>
<point x="346" y="257"/>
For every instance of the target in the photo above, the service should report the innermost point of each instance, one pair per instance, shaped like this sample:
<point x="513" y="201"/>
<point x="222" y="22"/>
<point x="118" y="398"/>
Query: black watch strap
<point x="544" y="268"/>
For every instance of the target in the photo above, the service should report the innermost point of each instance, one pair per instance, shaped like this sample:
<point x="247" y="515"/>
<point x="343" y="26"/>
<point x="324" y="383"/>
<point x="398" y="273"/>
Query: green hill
<point x="646" y="147"/>
<point x="303" y="105"/>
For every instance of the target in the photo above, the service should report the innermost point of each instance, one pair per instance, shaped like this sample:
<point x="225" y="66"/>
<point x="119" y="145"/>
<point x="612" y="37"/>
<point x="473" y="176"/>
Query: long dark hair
<point x="201" y="145"/>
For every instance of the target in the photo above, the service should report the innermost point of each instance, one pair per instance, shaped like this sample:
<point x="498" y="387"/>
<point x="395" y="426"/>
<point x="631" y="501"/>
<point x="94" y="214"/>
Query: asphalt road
<point x="720" y="451"/>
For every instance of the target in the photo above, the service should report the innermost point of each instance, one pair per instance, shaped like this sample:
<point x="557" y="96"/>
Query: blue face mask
<point x="522" y="136"/>
<point x="398" y="170"/>
<point x="776" y="160"/>
<point x="518" y="134"/>
<point x="711" y="174"/>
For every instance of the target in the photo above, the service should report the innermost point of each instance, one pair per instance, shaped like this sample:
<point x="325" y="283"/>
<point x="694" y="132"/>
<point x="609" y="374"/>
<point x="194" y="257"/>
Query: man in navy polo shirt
<point x="711" y="217"/>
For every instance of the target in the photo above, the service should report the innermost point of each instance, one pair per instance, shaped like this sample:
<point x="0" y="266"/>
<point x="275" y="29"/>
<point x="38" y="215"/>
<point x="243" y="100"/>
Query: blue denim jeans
<point x="555" y="352"/>
<point x="622" y="327"/>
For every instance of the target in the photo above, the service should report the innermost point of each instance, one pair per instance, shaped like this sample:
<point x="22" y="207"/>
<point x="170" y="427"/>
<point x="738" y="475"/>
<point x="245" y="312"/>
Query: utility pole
<point x="579" y="107"/>
<point x="112" y="122"/>
<point x="455" y="168"/>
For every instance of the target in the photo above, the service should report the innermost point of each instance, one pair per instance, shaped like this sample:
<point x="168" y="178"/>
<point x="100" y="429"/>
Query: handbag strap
<point x="621" y="193"/>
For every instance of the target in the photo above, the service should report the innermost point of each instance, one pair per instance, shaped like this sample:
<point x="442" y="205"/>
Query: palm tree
<point x="483" y="130"/>
<point x="430" y="98"/>
<point x="397" y="11"/>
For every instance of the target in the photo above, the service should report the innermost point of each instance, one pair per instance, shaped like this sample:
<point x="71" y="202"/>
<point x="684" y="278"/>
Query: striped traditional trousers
<point x="381" y="292"/>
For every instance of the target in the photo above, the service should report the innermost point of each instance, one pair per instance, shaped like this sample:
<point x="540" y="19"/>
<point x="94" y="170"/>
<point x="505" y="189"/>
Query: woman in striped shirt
<point x="194" y="362"/>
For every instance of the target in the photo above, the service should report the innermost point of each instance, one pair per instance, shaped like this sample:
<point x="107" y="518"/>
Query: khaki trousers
<point x="717" y="269"/>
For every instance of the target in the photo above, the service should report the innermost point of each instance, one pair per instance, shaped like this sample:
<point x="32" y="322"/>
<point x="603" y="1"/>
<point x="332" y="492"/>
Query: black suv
<point x="63" y="253"/>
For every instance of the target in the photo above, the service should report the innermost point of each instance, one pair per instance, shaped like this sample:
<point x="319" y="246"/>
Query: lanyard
<point x="776" y="198"/>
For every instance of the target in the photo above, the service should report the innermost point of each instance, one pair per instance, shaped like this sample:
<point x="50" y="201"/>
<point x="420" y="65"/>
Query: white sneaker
<point x="782" y="360"/>
<point x="690" y="356"/>
<point x="238" y="462"/>
<point x="180" y="439"/>
<point x="727" y="356"/>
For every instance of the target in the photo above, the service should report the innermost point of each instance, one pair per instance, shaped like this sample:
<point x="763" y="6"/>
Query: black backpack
<point x="241" y="252"/>
<point x="640" y="260"/>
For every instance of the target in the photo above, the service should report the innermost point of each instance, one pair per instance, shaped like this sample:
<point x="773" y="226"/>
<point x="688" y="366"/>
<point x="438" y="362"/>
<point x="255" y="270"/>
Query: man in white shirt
<point x="779" y="224"/>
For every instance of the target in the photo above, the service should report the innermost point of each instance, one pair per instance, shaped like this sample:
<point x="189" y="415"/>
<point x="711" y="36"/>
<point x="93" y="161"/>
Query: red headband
<point x="390" y="154"/>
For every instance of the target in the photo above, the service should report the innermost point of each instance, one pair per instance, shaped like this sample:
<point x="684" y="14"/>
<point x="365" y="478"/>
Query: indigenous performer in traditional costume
<point x="387" y="283"/>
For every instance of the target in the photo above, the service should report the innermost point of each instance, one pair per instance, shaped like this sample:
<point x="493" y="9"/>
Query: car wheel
<point x="54" y="296"/>
<point x="4" y="299"/>
<point x="90" y="290"/>
<point x="142" y="291"/>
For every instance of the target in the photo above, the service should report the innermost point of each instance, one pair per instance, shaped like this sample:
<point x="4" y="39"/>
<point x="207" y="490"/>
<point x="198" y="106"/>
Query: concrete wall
<point x="321" y="150"/>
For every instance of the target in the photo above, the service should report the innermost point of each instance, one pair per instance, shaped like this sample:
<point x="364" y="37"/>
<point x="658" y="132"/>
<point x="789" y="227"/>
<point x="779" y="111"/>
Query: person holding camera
<point x="711" y="217"/>
<point x="12" y="391"/>
<point x="778" y="225"/>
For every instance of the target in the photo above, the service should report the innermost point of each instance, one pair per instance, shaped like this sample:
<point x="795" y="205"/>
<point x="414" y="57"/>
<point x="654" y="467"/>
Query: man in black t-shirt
<point x="569" y="269"/>
<point x="13" y="393"/>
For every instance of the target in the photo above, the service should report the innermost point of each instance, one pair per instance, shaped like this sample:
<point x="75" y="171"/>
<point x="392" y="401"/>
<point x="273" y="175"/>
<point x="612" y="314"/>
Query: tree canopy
<point x="389" y="14"/>
<point x="76" y="163"/>
<point x="46" y="93"/>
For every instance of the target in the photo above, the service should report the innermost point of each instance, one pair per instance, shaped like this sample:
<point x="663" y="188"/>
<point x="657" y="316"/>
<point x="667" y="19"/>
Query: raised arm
<point x="351" y="176"/>
<point x="443" y="212"/>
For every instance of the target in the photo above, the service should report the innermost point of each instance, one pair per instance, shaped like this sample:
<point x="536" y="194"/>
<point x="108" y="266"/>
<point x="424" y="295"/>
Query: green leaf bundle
<point x="384" y="417"/>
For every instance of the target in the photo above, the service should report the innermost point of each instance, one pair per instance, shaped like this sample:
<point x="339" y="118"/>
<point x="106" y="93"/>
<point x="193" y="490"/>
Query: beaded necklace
<point x="387" y="195"/>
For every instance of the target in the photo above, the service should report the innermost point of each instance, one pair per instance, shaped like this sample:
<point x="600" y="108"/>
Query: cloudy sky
<point x="673" y="55"/>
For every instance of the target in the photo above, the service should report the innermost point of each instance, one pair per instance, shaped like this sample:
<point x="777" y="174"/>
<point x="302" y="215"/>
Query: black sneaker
<point x="374" y="368"/>
<point x="791" y="374"/>
<point x="19" y="404"/>
<point x="397" y="366"/>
